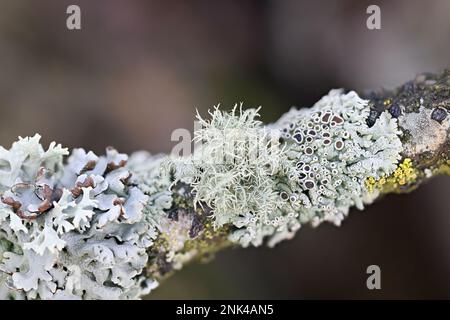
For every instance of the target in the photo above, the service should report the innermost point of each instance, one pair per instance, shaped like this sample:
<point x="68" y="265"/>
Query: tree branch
<point x="421" y="105"/>
<point x="113" y="227"/>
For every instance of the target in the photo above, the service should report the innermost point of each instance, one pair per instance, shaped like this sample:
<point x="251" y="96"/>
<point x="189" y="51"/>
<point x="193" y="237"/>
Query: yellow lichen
<point x="387" y="102"/>
<point x="404" y="174"/>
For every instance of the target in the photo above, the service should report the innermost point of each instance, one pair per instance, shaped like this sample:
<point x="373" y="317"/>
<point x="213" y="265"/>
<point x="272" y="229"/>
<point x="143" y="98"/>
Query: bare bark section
<point x="422" y="107"/>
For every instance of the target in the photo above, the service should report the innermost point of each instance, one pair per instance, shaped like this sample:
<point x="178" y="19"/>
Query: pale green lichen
<point x="234" y="172"/>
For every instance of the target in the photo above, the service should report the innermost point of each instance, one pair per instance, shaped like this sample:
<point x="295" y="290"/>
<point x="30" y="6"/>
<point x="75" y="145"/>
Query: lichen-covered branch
<point x="114" y="226"/>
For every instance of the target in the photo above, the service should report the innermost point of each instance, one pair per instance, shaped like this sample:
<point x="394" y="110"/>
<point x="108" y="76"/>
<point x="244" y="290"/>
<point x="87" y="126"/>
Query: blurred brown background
<point x="138" y="69"/>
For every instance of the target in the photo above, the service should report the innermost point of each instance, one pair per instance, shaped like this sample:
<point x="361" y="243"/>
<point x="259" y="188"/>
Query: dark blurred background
<point x="138" y="69"/>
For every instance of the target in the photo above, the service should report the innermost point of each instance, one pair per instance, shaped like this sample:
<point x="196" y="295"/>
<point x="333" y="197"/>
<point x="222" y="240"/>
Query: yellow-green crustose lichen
<point x="405" y="174"/>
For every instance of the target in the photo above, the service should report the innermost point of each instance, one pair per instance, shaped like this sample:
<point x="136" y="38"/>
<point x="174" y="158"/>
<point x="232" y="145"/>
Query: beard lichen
<point x="314" y="171"/>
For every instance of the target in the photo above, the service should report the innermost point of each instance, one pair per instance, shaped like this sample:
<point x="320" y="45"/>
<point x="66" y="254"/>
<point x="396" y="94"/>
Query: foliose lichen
<point x="335" y="151"/>
<point x="74" y="231"/>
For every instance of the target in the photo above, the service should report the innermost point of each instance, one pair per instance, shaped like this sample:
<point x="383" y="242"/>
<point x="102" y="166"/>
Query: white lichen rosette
<point x="335" y="151"/>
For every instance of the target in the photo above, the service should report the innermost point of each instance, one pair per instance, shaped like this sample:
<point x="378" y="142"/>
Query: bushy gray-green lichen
<point x="314" y="173"/>
<point x="236" y="171"/>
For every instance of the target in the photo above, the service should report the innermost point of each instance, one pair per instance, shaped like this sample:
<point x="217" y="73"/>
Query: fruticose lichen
<point x="314" y="172"/>
<point x="236" y="172"/>
<point x="109" y="227"/>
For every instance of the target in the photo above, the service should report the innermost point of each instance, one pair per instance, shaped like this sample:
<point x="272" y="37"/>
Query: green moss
<point x="209" y="241"/>
<point x="443" y="168"/>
